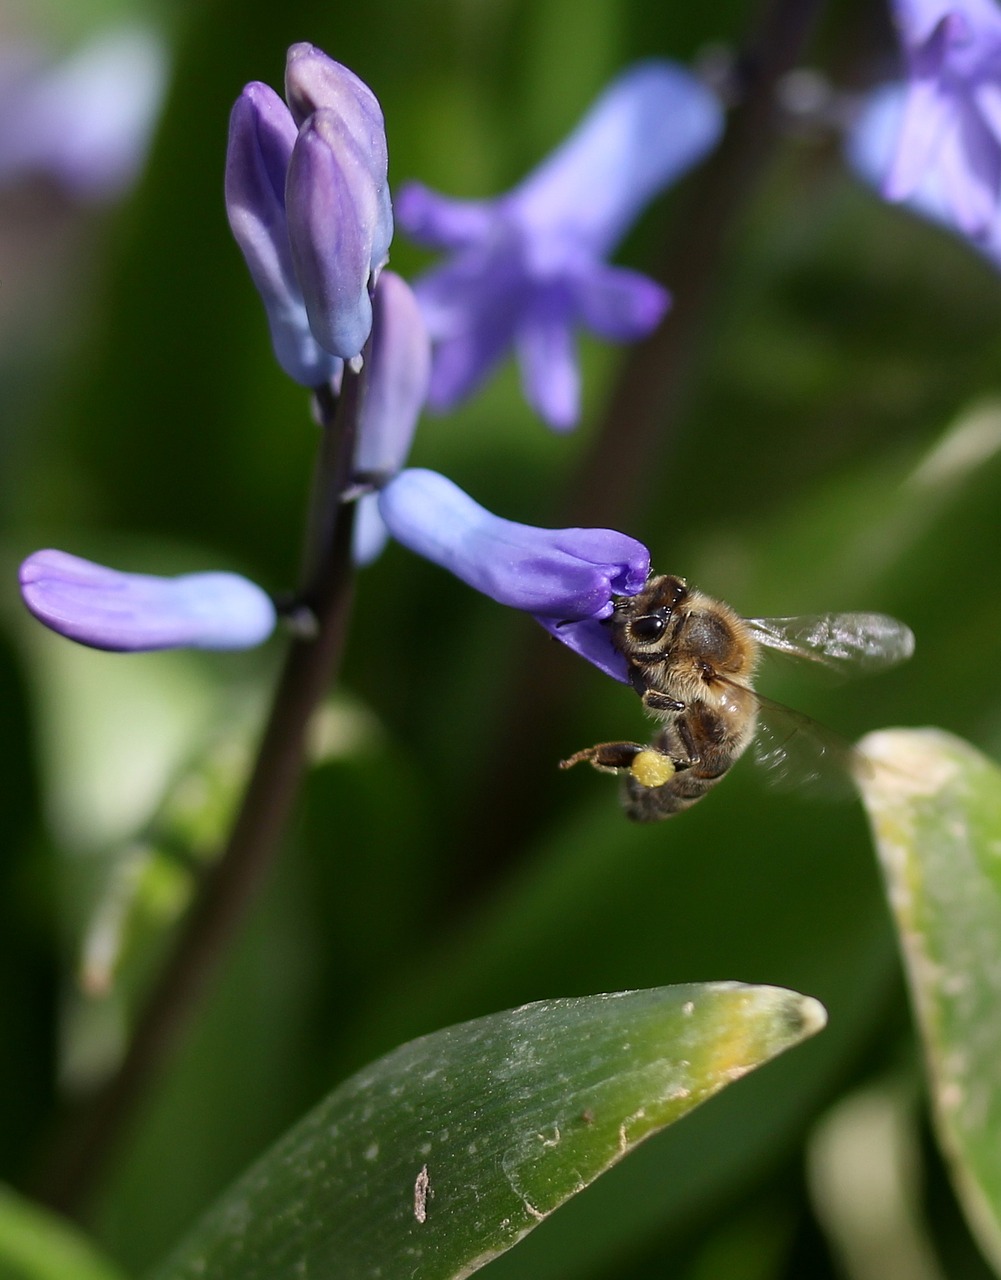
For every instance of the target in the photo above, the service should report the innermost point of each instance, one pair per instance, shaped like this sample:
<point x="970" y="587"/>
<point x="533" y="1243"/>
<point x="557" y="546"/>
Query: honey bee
<point x="693" y="659"/>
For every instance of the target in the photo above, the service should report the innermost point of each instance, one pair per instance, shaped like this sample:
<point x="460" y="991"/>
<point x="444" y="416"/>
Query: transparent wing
<point x="845" y="643"/>
<point x="797" y="751"/>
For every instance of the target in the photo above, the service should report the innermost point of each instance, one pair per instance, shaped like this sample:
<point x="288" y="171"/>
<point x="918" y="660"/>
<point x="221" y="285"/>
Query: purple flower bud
<point x="106" y="609"/>
<point x="338" y="229"/>
<point x="262" y="134"/>
<point x="399" y="369"/>
<point x="528" y="267"/>
<point x="308" y="201"/>
<point x="562" y="576"/>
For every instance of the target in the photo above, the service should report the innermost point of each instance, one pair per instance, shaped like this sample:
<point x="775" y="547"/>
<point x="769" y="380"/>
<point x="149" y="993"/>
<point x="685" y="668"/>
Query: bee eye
<point x="649" y="627"/>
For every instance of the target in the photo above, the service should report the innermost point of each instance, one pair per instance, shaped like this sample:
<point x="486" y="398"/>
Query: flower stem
<point x="229" y="887"/>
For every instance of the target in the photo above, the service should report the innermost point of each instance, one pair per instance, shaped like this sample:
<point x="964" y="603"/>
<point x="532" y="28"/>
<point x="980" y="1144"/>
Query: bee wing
<point x="797" y="751"/>
<point x="845" y="643"/>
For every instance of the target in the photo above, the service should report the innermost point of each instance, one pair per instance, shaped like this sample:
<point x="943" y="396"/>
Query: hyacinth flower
<point x="870" y="147"/>
<point x="137" y="612"/>
<point x="528" y="268"/>
<point x="308" y="203"/>
<point x="565" y="578"/>
<point x="950" y="127"/>
<point x="84" y="122"/>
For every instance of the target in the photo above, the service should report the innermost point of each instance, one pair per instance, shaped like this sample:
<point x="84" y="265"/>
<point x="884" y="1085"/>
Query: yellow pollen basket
<point x="652" y="768"/>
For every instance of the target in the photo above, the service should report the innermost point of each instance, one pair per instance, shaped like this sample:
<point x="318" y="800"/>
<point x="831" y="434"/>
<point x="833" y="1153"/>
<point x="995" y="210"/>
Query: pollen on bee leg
<point x="652" y="768"/>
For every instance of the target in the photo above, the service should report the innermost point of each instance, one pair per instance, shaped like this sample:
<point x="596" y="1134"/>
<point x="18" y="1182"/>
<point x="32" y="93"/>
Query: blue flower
<point x="308" y="202"/>
<point x="528" y="268"/>
<point x="106" y="609"/>
<point x="566" y="578"/>
<point x="951" y="121"/>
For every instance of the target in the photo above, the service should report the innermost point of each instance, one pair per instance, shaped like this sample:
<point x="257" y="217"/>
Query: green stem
<point x="230" y="886"/>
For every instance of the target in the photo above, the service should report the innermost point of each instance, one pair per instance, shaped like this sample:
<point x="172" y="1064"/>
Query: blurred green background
<point x="839" y="448"/>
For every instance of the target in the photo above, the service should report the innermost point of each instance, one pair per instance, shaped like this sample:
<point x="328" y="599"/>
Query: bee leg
<point x="688" y="741"/>
<point x="655" y="701"/>
<point x="647" y="766"/>
<point x="609" y="757"/>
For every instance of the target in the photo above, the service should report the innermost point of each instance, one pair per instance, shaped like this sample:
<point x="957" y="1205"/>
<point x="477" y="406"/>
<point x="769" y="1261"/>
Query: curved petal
<point x="591" y="640"/>
<point x="106" y="609"/>
<point x="441" y="222"/>
<point x="564" y="574"/>
<point x="550" y="377"/>
<point x="619" y="304"/>
<point x="649" y="126"/>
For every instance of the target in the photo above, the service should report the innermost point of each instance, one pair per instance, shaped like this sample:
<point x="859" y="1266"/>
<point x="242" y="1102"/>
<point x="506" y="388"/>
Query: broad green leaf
<point x="37" y="1245"/>
<point x="935" y="807"/>
<point x="445" y="1153"/>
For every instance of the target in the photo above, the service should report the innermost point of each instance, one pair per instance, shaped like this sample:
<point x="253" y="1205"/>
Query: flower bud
<point x="566" y="578"/>
<point x="262" y="134"/>
<point x="106" y="609"/>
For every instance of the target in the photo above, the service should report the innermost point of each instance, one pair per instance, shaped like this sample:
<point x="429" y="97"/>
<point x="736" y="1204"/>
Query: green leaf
<point x="37" y="1245"/>
<point x="445" y="1153"/>
<point x="935" y="808"/>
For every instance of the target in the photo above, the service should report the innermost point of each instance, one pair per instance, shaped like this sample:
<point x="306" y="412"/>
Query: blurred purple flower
<point x="870" y="146"/>
<point x="566" y="578"/>
<point x="528" y="267"/>
<point x="84" y="122"/>
<point x="106" y="609"/>
<point x="308" y="202"/>
<point x="951" y="121"/>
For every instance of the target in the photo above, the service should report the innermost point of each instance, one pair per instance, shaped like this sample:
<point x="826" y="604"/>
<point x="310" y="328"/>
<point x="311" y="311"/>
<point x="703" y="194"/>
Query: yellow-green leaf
<point x="445" y="1153"/>
<point x="935" y="807"/>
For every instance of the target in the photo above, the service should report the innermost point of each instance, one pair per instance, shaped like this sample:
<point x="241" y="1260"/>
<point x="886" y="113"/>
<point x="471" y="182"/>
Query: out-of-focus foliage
<point x="839" y="448"/>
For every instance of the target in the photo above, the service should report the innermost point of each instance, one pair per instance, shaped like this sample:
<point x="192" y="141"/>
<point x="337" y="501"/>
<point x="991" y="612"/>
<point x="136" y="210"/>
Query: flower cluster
<point x="528" y="268"/>
<point x="309" y="204"/>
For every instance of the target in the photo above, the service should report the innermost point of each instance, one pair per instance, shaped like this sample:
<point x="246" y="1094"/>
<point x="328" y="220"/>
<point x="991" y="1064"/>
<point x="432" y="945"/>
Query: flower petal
<point x="591" y="640"/>
<point x="563" y="574"/>
<point x="439" y="221"/>
<point x="106" y="609"/>
<point x="619" y="304"/>
<point x="547" y="354"/>
<point x="649" y="126"/>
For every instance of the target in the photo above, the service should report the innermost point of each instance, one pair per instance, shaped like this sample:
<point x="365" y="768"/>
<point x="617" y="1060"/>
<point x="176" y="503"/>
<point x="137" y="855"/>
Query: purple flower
<point x="870" y="147"/>
<point x="86" y="121"/>
<point x="566" y="578"/>
<point x="951" y="122"/>
<point x="528" y="268"/>
<point x="106" y="609"/>
<point x="308" y="203"/>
